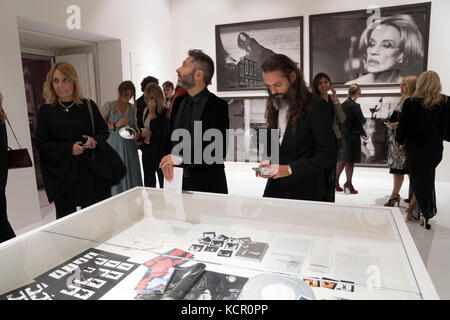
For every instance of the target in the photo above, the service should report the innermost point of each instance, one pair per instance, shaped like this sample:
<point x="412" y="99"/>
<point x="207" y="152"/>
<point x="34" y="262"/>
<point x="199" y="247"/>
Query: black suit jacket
<point x="309" y="151"/>
<point x="213" y="114"/>
<point x="353" y="124"/>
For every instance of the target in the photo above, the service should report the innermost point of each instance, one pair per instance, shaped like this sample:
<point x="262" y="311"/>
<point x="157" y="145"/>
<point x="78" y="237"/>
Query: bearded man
<point x="307" y="142"/>
<point x="197" y="118"/>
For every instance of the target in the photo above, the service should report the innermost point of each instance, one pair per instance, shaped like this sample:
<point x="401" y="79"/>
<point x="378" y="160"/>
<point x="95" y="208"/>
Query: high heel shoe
<point x="338" y="188"/>
<point x="424" y="222"/>
<point x="409" y="212"/>
<point x="393" y="201"/>
<point x="348" y="188"/>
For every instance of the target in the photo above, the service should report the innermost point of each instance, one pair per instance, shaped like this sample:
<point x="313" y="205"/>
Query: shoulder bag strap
<point x="91" y="113"/>
<point x="13" y="133"/>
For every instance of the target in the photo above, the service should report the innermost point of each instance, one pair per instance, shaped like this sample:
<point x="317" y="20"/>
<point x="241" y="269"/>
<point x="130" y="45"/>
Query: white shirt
<point x="282" y="108"/>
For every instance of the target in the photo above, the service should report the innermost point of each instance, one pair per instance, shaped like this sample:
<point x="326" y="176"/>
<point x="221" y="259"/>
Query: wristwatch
<point x="289" y="170"/>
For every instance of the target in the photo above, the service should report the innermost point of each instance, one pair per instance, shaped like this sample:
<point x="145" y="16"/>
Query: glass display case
<point x="136" y="243"/>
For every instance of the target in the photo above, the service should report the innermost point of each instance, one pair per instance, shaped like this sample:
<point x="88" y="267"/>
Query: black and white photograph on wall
<point x="376" y="108"/>
<point x="241" y="49"/>
<point x="374" y="46"/>
<point x="247" y="118"/>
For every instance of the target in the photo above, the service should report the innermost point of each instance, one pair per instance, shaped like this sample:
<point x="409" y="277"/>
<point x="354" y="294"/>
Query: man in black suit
<point x="196" y="118"/>
<point x="307" y="142"/>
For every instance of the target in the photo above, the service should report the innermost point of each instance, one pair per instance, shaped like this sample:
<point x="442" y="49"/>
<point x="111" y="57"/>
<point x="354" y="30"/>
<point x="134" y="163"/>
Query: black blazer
<point x="309" y="151"/>
<point x="3" y="156"/>
<point x="158" y="126"/>
<point x="213" y="113"/>
<point x="353" y="124"/>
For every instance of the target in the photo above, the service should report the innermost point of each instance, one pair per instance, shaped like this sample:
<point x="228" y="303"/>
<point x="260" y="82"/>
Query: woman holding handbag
<point x="66" y="143"/>
<point x="6" y="232"/>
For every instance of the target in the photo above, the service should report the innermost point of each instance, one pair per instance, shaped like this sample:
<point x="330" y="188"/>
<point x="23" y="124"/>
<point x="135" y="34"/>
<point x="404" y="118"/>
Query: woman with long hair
<point x="6" y="232"/>
<point x="397" y="161"/>
<point x="352" y="130"/>
<point x="118" y="114"/>
<point x="321" y="85"/>
<point x="66" y="143"/>
<point x="422" y="128"/>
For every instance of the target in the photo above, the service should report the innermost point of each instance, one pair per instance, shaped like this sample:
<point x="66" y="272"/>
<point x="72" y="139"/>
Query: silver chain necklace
<point x="66" y="109"/>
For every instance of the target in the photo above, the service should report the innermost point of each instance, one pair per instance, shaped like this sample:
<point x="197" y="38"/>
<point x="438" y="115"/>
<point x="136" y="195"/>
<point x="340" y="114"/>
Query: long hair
<point x="410" y="82"/>
<point x="69" y="71"/>
<point x="428" y="88"/>
<point x="352" y="90"/>
<point x="2" y="113"/>
<point x="154" y="91"/>
<point x="316" y="80"/>
<point x="298" y="94"/>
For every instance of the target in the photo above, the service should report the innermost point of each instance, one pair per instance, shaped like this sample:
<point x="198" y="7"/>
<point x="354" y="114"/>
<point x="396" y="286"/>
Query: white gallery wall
<point x="139" y="26"/>
<point x="193" y="26"/>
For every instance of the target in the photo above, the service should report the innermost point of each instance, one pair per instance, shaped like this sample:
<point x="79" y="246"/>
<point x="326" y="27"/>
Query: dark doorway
<point x="35" y="70"/>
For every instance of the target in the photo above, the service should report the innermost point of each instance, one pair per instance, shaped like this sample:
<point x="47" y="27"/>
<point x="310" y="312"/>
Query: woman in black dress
<point x="321" y="85"/>
<point x="154" y="120"/>
<point x="397" y="161"/>
<point x="422" y="128"/>
<point x="65" y="143"/>
<point x="6" y="232"/>
<point x="352" y="130"/>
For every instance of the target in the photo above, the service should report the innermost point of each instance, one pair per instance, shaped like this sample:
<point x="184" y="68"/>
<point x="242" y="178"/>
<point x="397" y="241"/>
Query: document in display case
<point x="149" y="244"/>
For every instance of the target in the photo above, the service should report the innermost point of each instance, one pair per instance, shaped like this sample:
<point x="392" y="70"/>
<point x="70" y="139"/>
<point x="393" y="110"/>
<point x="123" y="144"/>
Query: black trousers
<point x="6" y="231"/>
<point x="150" y="163"/>
<point x="82" y="193"/>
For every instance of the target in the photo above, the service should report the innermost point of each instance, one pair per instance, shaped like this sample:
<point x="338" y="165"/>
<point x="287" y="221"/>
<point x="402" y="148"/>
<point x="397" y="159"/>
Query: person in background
<point x="179" y="91"/>
<point x="154" y="119"/>
<point x="306" y="137"/>
<point x="168" y="90"/>
<point x="320" y="86"/>
<point x="140" y="102"/>
<point x="397" y="161"/>
<point x="65" y="144"/>
<point x="424" y="124"/>
<point x="6" y="231"/>
<point x="352" y="130"/>
<point x="389" y="48"/>
<point x="118" y="114"/>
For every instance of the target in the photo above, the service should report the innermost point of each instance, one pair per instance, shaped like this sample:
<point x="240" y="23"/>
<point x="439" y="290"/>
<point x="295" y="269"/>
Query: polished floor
<point x="374" y="185"/>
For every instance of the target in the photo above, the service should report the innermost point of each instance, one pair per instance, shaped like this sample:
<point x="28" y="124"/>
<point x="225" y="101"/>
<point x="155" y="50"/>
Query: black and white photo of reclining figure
<point x="241" y="49"/>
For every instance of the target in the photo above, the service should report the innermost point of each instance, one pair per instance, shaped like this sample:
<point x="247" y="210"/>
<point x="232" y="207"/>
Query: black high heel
<point x="393" y="201"/>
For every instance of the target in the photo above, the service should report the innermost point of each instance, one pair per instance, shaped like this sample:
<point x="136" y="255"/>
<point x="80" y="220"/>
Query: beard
<point x="285" y="97"/>
<point x="186" y="81"/>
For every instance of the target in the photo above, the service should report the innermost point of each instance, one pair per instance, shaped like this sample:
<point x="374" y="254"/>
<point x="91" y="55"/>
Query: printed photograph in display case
<point x="376" y="108"/>
<point x="241" y="49"/>
<point x="373" y="46"/>
<point x="244" y="140"/>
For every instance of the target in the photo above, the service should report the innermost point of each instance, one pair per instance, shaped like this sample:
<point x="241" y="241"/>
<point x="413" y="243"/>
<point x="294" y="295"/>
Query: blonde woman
<point x="65" y="143"/>
<point x="154" y="119"/>
<point x="397" y="161"/>
<point x="6" y="232"/>
<point x="422" y="129"/>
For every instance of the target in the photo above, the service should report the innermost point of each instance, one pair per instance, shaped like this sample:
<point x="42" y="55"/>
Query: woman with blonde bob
<point x="391" y="46"/>
<point x="422" y="128"/>
<point x="155" y="123"/>
<point x="397" y="161"/>
<point x="65" y="143"/>
<point x="6" y="232"/>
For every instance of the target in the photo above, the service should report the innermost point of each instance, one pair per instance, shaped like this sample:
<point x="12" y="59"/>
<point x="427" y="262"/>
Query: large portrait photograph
<point x="373" y="47"/>
<point x="245" y="138"/>
<point x="241" y="49"/>
<point x="376" y="109"/>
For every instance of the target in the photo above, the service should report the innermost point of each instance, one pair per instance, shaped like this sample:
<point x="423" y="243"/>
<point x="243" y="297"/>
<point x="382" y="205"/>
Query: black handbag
<point x="104" y="160"/>
<point x="18" y="158"/>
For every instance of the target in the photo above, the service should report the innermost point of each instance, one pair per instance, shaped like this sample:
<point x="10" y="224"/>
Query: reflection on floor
<point x="374" y="186"/>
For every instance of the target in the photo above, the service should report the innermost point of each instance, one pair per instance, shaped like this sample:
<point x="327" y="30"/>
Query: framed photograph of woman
<point x="373" y="47"/>
<point x="241" y="49"/>
<point x="376" y="109"/>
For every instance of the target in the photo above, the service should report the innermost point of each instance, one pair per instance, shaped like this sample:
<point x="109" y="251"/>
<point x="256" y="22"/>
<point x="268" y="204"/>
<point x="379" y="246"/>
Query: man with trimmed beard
<point x="196" y="112"/>
<point x="307" y="142"/>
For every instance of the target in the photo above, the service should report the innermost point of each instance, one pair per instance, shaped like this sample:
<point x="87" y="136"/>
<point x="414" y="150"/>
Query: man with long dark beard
<point x="193" y="114"/>
<point x="307" y="142"/>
